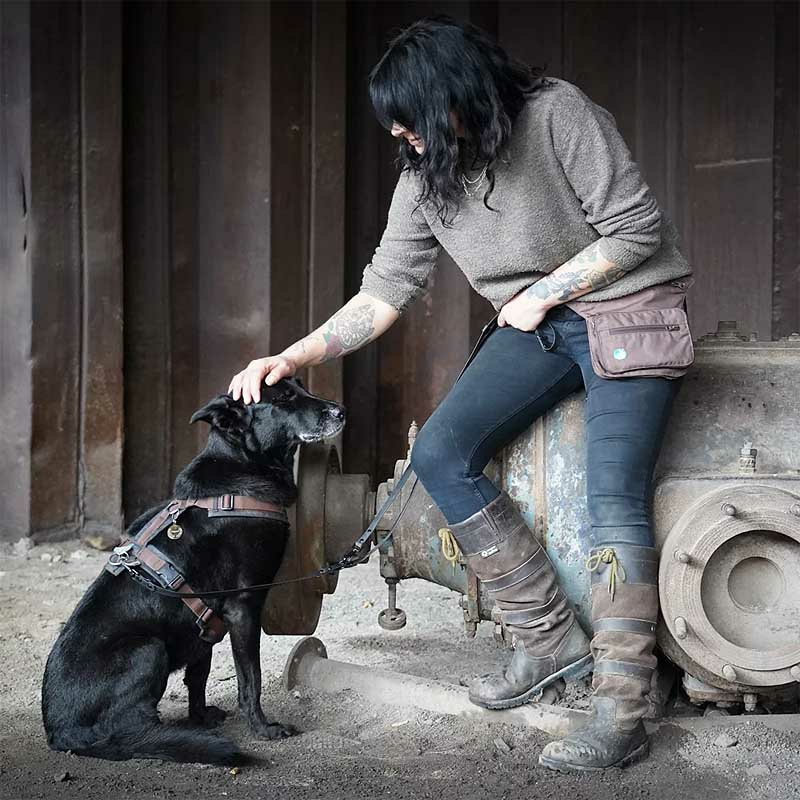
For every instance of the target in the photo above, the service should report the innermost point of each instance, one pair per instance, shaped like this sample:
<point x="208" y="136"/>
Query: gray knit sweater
<point x="567" y="180"/>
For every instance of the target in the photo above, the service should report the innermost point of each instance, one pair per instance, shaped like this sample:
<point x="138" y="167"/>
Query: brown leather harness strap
<point x="138" y="551"/>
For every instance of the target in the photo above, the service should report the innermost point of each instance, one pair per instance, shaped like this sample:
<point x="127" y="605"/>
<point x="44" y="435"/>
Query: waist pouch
<point x="641" y="335"/>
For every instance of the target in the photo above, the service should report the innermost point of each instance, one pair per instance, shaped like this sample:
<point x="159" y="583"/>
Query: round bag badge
<point x="620" y="353"/>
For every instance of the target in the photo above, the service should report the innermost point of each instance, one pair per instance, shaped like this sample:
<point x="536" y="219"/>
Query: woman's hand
<point x="247" y="383"/>
<point x="523" y="311"/>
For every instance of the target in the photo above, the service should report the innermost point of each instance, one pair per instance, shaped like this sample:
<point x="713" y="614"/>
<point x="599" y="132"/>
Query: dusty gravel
<point x="348" y="748"/>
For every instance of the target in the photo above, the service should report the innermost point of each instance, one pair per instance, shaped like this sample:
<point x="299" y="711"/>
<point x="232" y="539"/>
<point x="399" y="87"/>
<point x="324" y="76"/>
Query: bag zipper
<point x="628" y="328"/>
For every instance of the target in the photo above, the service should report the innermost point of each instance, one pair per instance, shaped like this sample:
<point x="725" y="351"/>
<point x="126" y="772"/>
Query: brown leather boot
<point x="624" y="615"/>
<point x="514" y="567"/>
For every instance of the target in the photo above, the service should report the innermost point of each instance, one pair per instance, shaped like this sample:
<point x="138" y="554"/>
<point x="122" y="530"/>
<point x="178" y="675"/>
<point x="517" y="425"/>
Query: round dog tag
<point x="174" y="531"/>
<point x="620" y="353"/>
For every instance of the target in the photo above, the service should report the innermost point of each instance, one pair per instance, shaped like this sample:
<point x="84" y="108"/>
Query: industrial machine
<point x="725" y="510"/>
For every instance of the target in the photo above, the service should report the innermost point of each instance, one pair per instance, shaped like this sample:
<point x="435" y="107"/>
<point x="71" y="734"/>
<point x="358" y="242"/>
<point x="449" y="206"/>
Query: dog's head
<point x="286" y="416"/>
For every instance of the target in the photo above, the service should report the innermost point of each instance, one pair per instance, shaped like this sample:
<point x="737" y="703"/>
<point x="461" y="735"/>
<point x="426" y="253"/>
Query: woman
<point x="531" y="189"/>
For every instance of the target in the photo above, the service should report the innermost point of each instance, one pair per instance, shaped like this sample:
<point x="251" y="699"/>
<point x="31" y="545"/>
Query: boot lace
<point x="450" y="549"/>
<point x="616" y="572"/>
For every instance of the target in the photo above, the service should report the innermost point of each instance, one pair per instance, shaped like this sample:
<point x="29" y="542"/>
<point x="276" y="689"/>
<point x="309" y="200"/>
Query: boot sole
<point x="572" y="672"/>
<point x="638" y="754"/>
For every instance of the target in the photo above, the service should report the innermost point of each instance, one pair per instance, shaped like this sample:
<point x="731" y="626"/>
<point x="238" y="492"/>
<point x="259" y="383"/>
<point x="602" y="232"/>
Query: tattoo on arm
<point x="587" y="271"/>
<point x="348" y="329"/>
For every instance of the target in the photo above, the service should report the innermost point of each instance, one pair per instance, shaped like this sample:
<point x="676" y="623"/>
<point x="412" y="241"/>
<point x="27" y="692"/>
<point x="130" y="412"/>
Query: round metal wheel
<point x="729" y="583"/>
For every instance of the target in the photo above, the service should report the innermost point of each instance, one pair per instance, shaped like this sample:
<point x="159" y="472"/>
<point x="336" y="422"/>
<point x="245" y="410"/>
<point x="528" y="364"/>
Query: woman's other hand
<point x="247" y="383"/>
<point x="523" y="311"/>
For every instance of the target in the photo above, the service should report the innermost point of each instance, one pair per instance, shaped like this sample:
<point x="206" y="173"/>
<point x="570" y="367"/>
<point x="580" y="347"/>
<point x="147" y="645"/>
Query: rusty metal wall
<point x="249" y="214"/>
<point x="198" y="287"/>
<point x="61" y="349"/>
<point x="15" y="297"/>
<point x="234" y="208"/>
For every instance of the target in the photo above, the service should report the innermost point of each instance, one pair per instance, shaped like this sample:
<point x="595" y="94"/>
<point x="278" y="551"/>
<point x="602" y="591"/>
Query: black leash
<point x="351" y="558"/>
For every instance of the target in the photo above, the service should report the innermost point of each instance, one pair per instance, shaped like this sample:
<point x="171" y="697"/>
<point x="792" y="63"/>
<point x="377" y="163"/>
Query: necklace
<point x="471" y="185"/>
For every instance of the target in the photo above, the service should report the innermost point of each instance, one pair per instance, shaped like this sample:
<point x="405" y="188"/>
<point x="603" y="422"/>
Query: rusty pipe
<point x="308" y="665"/>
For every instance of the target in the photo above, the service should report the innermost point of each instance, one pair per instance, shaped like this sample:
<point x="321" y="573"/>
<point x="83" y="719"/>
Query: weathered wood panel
<point x="101" y="328"/>
<point x="15" y="298"/>
<point x="532" y="33"/>
<point x="55" y="253"/>
<point x="657" y="141"/>
<point x="600" y="56"/>
<point x="242" y="194"/>
<point x="364" y="225"/>
<point x="327" y="181"/>
<point x="148" y="331"/>
<point x="184" y="125"/>
<point x="786" y="189"/>
<point x="290" y="132"/>
<point x="198" y="209"/>
<point x="235" y="274"/>
<point x="728" y="124"/>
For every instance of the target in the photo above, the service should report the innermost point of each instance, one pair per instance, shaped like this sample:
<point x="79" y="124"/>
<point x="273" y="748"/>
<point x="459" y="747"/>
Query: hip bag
<point x="643" y="334"/>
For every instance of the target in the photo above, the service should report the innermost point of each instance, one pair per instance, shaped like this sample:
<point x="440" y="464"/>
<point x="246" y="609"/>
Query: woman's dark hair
<point x="439" y="65"/>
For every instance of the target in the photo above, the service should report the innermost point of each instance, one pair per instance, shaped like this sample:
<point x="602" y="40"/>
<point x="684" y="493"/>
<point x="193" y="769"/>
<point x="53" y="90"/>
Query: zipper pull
<point x="673" y="327"/>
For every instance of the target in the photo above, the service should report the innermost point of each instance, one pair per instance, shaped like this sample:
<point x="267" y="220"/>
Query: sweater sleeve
<point x="407" y="253"/>
<point x="615" y="198"/>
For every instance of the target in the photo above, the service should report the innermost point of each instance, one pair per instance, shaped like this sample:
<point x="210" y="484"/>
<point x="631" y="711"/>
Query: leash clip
<point x="122" y="557"/>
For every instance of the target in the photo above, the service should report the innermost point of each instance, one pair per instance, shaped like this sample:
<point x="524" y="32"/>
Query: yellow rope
<point x="449" y="546"/>
<point x="617" y="571"/>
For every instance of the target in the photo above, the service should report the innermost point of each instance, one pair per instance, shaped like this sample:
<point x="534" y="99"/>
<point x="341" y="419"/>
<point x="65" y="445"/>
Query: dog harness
<point x="138" y="552"/>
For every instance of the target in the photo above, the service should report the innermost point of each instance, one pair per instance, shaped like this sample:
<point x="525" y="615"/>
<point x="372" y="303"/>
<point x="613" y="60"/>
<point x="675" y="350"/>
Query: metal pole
<point x="308" y="665"/>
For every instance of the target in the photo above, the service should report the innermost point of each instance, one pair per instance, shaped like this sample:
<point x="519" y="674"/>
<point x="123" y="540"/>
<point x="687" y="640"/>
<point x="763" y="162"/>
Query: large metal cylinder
<point x="725" y="514"/>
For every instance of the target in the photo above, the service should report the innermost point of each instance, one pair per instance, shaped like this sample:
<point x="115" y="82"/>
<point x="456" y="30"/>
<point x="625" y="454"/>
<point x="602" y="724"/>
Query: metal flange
<point x="730" y="598"/>
<point x="330" y="512"/>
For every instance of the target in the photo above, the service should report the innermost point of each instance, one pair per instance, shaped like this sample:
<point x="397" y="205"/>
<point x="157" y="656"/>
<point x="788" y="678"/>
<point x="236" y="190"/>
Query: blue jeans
<point x="515" y="377"/>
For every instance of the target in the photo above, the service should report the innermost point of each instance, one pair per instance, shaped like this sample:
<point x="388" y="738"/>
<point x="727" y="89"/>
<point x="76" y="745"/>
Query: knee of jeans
<point x="433" y="454"/>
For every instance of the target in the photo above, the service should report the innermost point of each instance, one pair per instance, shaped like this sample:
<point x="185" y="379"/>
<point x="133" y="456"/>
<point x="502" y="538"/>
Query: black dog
<point x="109" y="666"/>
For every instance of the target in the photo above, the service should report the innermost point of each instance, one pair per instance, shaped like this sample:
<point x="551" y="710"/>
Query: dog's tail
<point x="168" y="743"/>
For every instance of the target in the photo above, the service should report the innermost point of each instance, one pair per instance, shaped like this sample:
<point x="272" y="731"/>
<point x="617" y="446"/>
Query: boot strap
<point x="609" y="667"/>
<point x="479" y="540"/>
<point x="494" y="523"/>
<point x="525" y="616"/>
<point x="624" y="624"/>
<point x="624" y="563"/>
<point x="518" y="574"/>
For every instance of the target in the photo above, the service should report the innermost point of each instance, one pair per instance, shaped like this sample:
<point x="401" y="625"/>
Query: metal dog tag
<point x="174" y="531"/>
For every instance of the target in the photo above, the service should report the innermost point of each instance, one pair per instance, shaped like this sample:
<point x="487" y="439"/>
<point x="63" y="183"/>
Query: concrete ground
<point x="348" y="748"/>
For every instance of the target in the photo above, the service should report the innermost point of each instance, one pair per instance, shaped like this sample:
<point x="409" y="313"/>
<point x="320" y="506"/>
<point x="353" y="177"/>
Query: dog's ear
<point x="222" y="412"/>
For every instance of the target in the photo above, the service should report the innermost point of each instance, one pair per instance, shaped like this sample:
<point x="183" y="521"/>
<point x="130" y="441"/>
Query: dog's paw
<point x="275" y="730"/>
<point x="211" y="717"/>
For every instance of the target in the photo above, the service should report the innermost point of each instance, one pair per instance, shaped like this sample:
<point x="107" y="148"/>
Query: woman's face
<point x="399" y="130"/>
<point x="418" y="144"/>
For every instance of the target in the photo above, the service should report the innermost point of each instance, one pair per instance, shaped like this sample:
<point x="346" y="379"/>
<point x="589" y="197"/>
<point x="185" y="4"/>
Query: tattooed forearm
<point x="587" y="271"/>
<point x="347" y="330"/>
